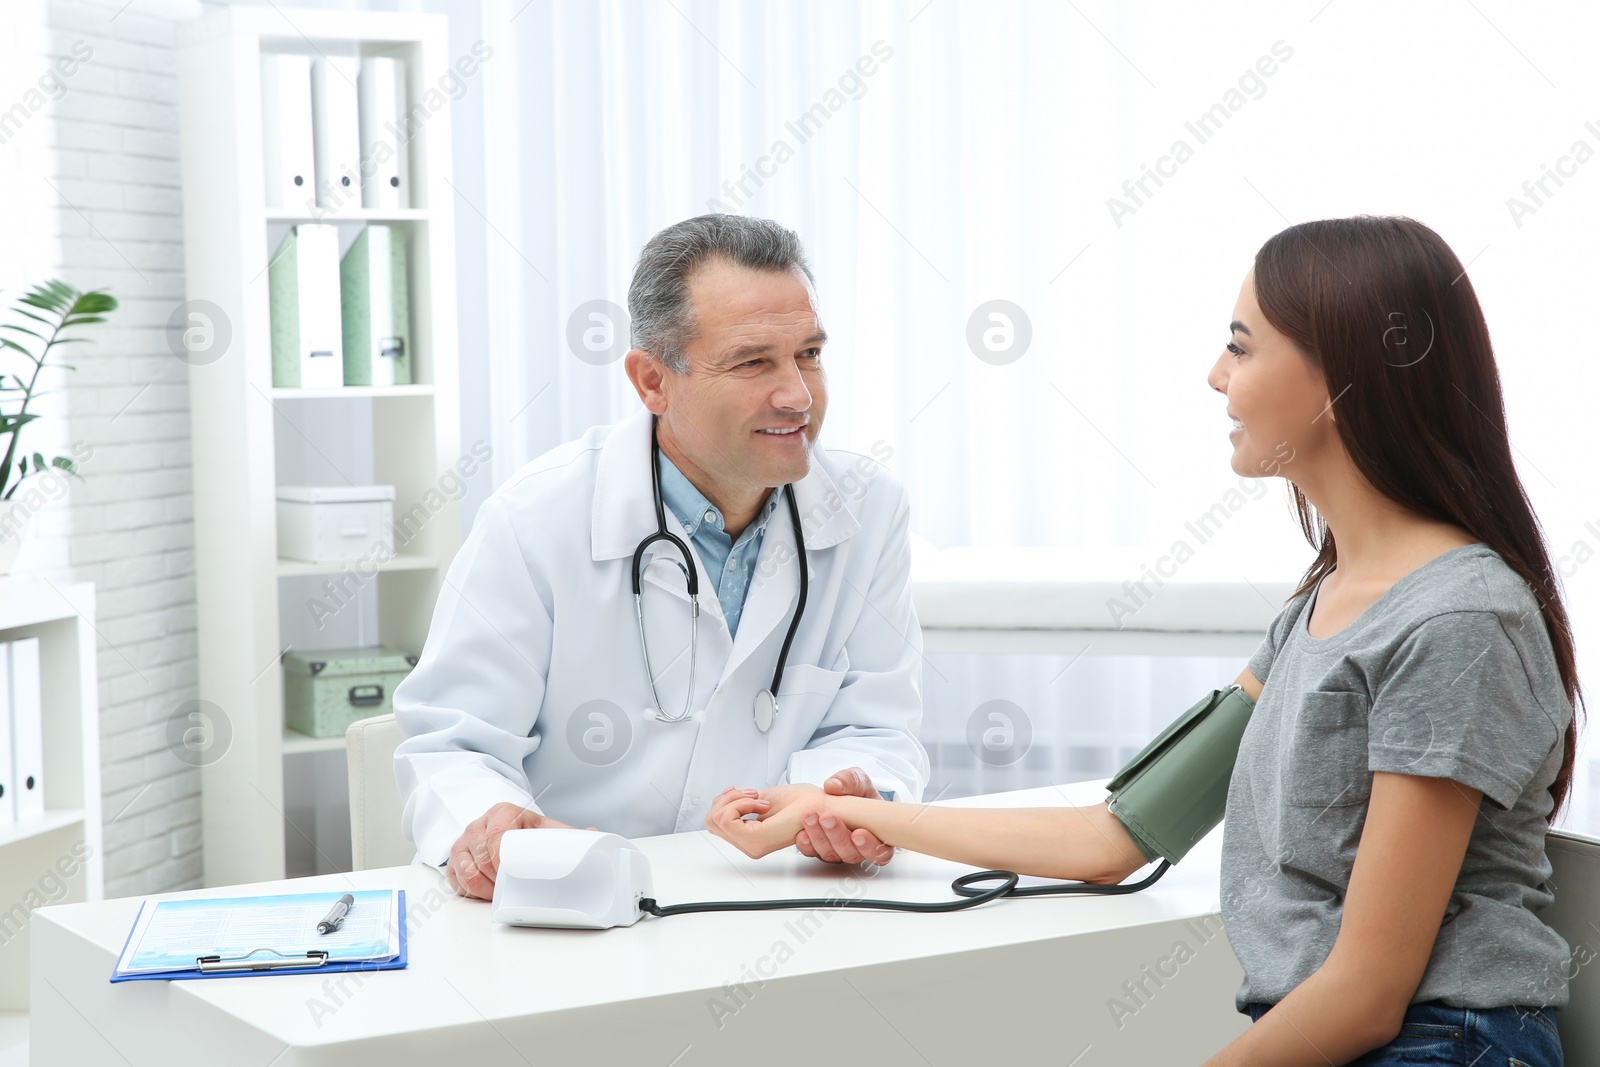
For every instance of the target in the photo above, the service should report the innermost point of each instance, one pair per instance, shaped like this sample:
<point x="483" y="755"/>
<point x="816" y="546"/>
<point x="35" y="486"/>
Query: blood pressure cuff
<point x="1172" y="793"/>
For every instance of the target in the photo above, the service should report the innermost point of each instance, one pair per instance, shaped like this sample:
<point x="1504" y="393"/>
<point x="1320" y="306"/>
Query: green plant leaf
<point x="46" y="300"/>
<point x="94" y="302"/>
<point x="60" y="307"/>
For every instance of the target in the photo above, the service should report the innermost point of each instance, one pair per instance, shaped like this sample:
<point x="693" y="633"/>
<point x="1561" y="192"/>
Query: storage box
<point x="324" y="692"/>
<point x="335" y="524"/>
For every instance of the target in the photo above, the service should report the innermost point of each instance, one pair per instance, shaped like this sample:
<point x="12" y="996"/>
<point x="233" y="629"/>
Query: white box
<point x="335" y="524"/>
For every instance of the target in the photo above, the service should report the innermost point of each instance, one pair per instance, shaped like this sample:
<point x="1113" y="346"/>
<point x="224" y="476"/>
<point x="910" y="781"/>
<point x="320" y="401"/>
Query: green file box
<point x="325" y="691"/>
<point x="306" y="337"/>
<point x="375" y="308"/>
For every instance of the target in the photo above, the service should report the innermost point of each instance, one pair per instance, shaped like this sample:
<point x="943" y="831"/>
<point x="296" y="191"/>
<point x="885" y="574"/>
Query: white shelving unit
<point x="55" y="858"/>
<point x="229" y="235"/>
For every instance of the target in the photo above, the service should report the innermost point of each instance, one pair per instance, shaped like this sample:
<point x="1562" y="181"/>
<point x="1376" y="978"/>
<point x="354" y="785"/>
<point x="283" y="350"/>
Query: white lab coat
<point x="531" y="687"/>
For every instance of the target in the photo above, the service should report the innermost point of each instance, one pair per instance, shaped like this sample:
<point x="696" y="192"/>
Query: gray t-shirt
<point x="1450" y="674"/>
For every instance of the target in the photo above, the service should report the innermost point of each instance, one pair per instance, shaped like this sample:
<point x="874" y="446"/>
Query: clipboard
<point x="267" y="959"/>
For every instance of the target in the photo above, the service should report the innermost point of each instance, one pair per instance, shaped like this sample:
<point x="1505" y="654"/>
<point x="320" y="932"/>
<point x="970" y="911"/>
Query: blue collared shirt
<point x="730" y="564"/>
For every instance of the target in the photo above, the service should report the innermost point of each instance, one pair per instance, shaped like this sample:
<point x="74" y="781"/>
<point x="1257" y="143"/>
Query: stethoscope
<point x="766" y="702"/>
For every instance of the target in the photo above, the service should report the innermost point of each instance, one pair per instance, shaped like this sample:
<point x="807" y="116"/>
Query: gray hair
<point x="659" y="308"/>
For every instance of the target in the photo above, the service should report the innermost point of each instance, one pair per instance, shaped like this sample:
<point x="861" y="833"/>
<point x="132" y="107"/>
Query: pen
<point x="341" y="908"/>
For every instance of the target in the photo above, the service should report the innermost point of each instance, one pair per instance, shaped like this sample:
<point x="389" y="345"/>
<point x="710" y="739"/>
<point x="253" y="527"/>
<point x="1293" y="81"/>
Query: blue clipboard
<point x="269" y="964"/>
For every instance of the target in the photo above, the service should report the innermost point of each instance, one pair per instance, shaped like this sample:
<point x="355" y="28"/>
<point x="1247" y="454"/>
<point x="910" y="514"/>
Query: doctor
<point x="531" y="704"/>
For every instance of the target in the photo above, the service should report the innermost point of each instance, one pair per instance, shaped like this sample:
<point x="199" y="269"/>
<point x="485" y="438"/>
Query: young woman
<point x="1412" y="737"/>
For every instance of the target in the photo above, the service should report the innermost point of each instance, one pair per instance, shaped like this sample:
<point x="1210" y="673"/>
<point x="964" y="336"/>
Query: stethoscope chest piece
<point x="766" y="710"/>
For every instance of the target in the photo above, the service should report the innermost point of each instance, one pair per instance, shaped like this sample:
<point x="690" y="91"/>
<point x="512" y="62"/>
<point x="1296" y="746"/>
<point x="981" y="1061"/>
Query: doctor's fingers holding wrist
<point x="850" y="782"/>
<point x="838" y="843"/>
<point x="475" y="857"/>
<point x="825" y="837"/>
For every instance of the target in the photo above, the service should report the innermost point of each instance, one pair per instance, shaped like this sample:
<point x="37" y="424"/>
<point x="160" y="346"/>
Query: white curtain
<point x="933" y="158"/>
<point x="978" y="161"/>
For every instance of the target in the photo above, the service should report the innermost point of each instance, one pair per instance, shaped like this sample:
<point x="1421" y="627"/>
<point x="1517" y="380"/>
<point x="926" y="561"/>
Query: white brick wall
<point x="92" y="181"/>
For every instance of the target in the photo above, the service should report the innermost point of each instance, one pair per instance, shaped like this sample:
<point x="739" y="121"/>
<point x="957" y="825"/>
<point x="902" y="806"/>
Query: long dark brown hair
<point x="1385" y="310"/>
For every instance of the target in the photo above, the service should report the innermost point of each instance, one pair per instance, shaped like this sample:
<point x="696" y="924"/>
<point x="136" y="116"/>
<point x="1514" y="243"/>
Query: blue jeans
<point x="1464" y="1037"/>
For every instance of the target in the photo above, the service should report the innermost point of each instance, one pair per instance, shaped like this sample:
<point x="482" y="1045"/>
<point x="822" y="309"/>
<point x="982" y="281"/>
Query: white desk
<point x="1026" y="981"/>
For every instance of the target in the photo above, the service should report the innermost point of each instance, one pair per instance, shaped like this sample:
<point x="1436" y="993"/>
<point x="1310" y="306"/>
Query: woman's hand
<point x="779" y="810"/>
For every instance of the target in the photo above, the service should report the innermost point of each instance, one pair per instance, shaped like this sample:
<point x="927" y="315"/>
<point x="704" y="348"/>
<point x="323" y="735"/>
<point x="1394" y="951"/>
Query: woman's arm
<point x="1082" y="844"/>
<point x="1085" y="844"/>
<point x="1410" y="854"/>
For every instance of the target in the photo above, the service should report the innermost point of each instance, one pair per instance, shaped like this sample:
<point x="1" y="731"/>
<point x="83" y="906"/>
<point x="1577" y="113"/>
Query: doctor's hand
<point x="827" y="838"/>
<point x="475" y="857"/>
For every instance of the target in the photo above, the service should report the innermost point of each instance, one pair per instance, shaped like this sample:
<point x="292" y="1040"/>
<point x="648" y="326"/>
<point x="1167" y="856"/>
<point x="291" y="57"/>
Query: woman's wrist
<point x="864" y="813"/>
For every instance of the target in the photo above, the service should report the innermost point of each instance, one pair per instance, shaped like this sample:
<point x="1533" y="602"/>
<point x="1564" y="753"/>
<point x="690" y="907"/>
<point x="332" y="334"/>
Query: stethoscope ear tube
<point x="662" y="533"/>
<point x="658" y="712"/>
<point x="690" y="577"/>
<point x="800" y="608"/>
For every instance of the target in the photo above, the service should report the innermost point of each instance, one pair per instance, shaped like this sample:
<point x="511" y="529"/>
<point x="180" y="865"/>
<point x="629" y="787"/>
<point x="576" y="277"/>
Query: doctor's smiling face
<point x="1277" y="398"/>
<point x="740" y="418"/>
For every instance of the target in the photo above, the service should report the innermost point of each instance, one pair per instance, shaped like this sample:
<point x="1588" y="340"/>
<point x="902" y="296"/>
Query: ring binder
<point x="211" y="964"/>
